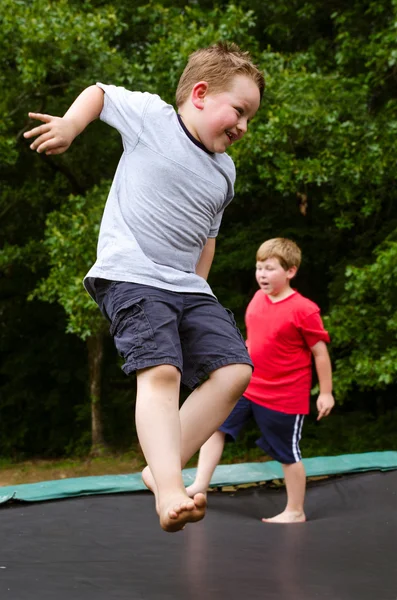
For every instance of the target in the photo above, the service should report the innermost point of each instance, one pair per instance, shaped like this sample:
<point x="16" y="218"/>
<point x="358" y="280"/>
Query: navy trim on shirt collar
<point x="192" y="138"/>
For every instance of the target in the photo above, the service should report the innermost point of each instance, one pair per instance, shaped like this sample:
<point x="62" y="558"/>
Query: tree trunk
<point x="95" y="358"/>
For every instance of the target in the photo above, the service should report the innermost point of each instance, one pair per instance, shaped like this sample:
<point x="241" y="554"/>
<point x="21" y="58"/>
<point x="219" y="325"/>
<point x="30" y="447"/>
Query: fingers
<point x="44" y="137"/>
<point x="51" y="146"/>
<point x="48" y="140"/>
<point x="58" y="150"/>
<point x="40" y="143"/>
<point x="323" y="412"/>
<point x="36" y="131"/>
<point x="39" y="131"/>
<point x="51" y="138"/>
<point x="40" y="117"/>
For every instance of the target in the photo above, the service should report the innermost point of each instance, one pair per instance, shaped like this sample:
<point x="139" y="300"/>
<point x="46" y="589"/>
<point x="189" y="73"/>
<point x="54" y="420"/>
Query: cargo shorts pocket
<point x="131" y="330"/>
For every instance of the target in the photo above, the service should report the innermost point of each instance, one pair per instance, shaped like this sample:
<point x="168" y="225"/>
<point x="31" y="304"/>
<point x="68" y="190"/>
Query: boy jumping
<point x="284" y="330"/>
<point x="155" y="249"/>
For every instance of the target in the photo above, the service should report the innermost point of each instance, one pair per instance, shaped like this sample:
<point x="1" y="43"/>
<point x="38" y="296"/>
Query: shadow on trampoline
<point x="111" y="547"/>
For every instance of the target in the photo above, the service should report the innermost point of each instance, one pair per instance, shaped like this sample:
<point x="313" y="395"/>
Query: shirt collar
<point x="191" y="137"/>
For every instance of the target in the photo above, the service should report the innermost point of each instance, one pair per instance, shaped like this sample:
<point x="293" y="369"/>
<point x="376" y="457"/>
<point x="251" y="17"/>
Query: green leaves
<point x="318" y="163"/>
<point x="70" y="240"/>
<point x="51" y="39"/>
<point x="363" y="324"/>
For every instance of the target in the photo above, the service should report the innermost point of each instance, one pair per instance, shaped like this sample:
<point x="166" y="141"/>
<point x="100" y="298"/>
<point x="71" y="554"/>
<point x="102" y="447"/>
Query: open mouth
<point x="232" y="136"/>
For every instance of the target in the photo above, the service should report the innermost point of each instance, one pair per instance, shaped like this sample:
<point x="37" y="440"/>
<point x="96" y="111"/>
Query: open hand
<point x="325" y="403"/>
<point x="54" y="137"/>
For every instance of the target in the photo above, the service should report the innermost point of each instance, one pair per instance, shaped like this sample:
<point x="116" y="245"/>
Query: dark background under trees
<point x="318" y="165"/>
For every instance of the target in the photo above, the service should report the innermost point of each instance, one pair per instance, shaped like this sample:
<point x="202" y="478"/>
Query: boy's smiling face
<point x="222" y="118"/>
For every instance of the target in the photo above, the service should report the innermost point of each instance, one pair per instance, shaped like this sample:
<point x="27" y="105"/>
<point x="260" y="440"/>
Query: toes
<point x="186" y="511"/>
<point x="177" y="509"/>
<point x="200" y="500"/>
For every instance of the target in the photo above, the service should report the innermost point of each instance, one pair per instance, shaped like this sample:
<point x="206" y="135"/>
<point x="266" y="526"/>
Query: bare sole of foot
<point x="189" y="510"/>
<point x="287" y="517"/>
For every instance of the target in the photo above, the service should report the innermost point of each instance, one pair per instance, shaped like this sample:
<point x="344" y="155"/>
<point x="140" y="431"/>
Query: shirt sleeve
<point x="125" y="111"/>
<point x="216" y="224"/>
<point x="312" y="330"/>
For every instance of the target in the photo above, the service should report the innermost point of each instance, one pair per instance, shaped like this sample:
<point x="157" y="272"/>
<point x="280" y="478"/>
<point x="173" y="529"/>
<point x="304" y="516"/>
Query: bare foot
<point x="287" y="516"/>
<point x="148" y="480"/>
<point x="180" y="510"/>
<point x="194" y="489"/>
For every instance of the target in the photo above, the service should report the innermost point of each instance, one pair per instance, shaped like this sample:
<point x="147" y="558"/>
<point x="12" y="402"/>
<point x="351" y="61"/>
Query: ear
<point x="199" y="91"/>
<point x="291" y="272"/>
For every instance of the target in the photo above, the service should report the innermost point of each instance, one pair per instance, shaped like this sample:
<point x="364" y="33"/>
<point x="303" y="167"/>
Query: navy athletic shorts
<point x="152" y="326"/>
<point x="280" y="431"/>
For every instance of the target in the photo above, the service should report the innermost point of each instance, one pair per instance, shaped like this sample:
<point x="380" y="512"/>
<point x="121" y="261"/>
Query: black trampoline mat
<point x="111" y="547"/>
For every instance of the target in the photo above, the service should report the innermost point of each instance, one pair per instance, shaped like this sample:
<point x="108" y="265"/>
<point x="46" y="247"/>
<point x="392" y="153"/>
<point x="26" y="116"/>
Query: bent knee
<point x="235" y="376"/>
<point x="160" y="375"/>
<point x="244" y="375"/>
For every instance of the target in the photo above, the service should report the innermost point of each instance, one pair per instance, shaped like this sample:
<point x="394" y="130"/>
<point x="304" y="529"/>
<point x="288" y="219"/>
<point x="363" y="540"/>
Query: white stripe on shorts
<point x="296" y="437"/>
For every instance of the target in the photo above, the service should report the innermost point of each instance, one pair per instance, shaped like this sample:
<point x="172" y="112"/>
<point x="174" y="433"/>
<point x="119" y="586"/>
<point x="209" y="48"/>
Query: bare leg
<point x="205" y="410"/>
<point x="295" y="482"/>
<point x="159" y="432"/>
<point x="208" y="406"/>
<point x="210" y="455"/>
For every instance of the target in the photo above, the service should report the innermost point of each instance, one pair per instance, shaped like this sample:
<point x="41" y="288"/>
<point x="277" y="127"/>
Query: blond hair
<point x="217" y="65"/>
<point x="286" y="251"/>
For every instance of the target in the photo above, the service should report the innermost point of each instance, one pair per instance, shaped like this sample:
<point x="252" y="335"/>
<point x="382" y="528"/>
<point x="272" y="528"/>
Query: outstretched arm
<point x="57" y="133"/>
<point x="325" y="401"/>
<point x="207" y="256"/>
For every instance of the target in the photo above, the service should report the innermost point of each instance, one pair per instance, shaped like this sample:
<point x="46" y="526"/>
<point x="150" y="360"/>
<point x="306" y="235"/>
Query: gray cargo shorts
<point x="152" y="326"/>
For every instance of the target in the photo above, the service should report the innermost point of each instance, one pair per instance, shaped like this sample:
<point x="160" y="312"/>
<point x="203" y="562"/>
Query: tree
<point x="363" y="325"/>
<point x="71" y="229"/>
<point x="317" y="165"/>
<point x="70" y="241"/>
<point x="49" y="51"/>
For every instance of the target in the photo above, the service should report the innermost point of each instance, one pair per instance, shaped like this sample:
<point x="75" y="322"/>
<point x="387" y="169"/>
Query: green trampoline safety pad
<point x="224" y="475"/>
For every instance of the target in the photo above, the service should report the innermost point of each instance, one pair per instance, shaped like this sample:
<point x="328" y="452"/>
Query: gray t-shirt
<point x="167" y="197"/>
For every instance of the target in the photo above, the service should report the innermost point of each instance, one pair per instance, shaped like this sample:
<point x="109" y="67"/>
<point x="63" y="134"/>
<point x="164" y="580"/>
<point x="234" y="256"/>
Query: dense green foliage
<point x="318" y="165"/>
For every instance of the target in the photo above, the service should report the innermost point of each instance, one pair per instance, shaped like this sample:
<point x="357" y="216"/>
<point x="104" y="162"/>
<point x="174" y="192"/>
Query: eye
<point x="239" y="110"/>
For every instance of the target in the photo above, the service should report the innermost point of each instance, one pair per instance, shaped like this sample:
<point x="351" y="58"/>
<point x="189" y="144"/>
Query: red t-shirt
<point x="279" y="338"/>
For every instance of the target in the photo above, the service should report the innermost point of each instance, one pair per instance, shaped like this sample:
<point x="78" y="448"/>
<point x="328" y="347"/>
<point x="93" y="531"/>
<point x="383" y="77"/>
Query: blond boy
<point x="155" y="249"/>
<point x="284" y="332"/>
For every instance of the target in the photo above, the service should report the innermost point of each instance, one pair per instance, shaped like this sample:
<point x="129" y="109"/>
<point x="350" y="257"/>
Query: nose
<point x="243" y="125"/>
